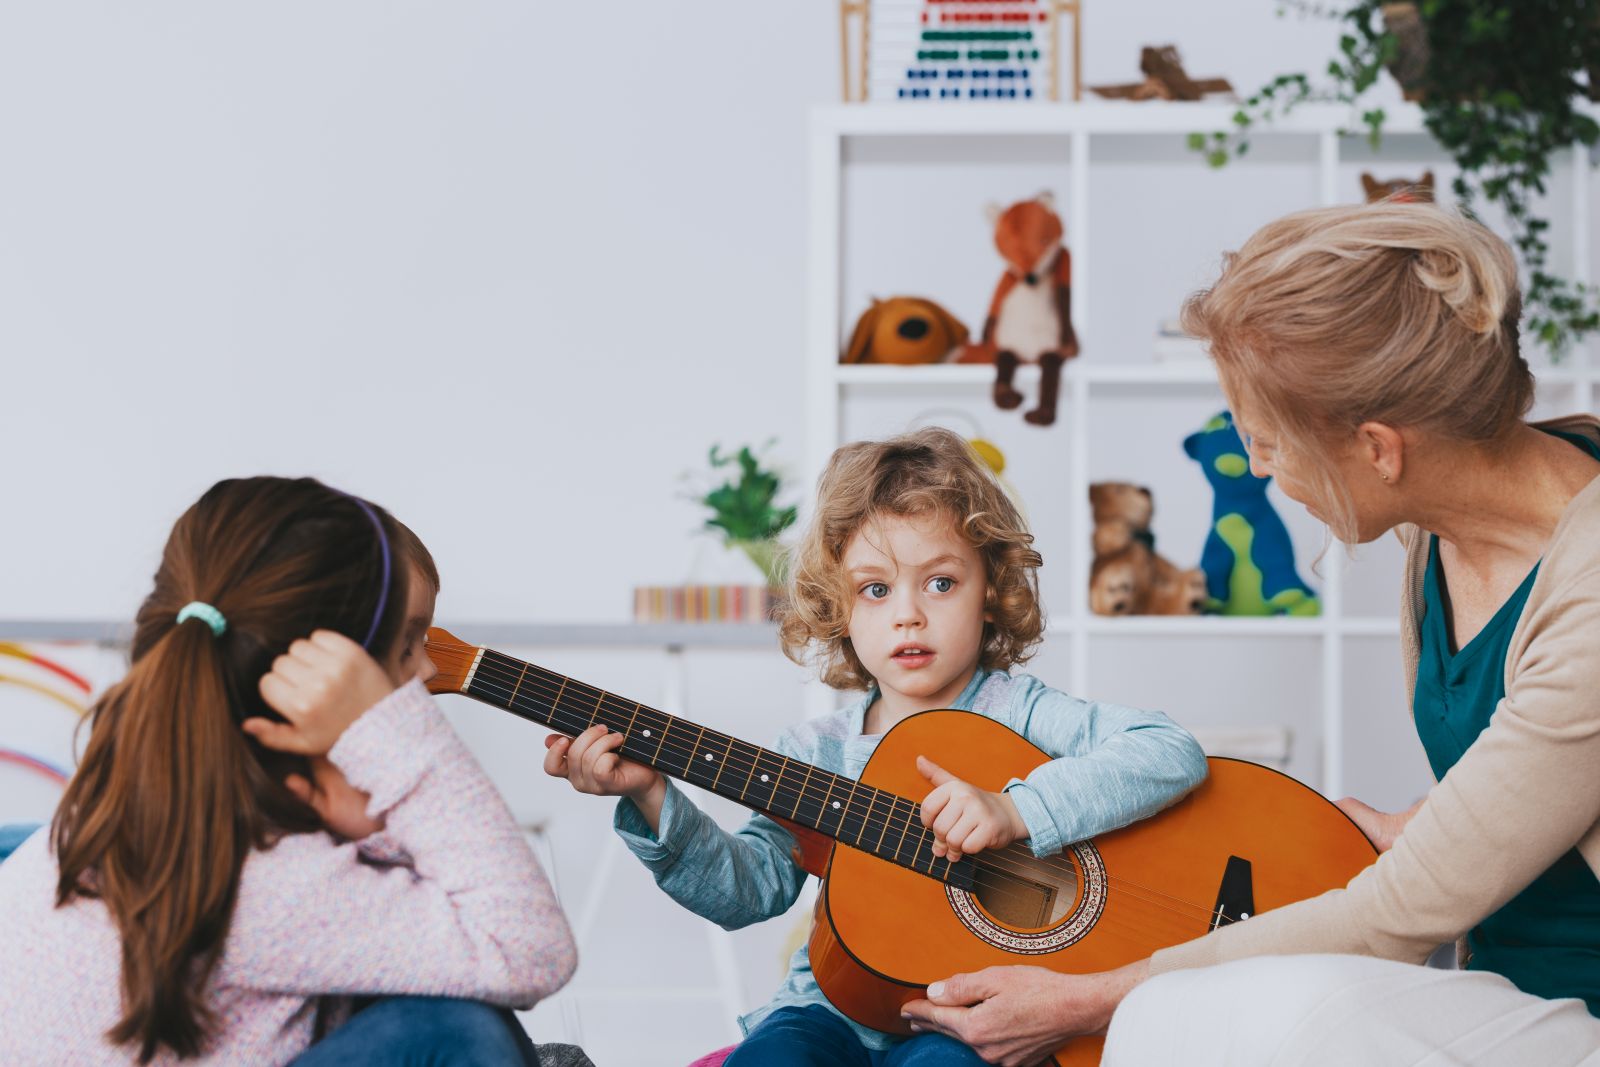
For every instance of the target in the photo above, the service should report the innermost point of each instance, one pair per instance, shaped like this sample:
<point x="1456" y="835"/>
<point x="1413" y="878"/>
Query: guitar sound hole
<point x="1023" y="892"/>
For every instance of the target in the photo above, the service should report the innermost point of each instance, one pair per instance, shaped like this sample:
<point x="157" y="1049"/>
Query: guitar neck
<point x="861" y="816"/>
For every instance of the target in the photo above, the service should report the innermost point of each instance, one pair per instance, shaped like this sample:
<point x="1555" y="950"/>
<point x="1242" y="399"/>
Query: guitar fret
<point x="611" y="716"/>
<point x="860" y="830"/>
<point x="727" y="744"/>
<point x="571" y="717"/>
<point x="627" y="735"/>
<point x="877" y="846"/>
<point x="680" y="758"/>
<point x="767" y="773"/>
<point x="905" y="827"/>
<point x="662" y="740"/>
<point x="752" y="760"/>
<point x="846" y="833"/>
<point x="646" y="728"/>
<point x="689" y="762"/>
<point x="830" y="806"/>
<point x="799" y="796"/>
<point x="705" y="761"/>
<point x="805" y="793"/>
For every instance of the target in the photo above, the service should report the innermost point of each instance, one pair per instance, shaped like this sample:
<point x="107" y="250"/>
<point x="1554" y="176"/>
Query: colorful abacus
<point x="963" y="49"/>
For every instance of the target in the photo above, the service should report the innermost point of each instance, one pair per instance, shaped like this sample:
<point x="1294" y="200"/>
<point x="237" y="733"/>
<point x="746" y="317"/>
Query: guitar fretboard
<point x="861" y="816"/>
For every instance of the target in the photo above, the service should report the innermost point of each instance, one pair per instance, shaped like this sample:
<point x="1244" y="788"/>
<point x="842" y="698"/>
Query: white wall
<point x="295" y="237"/>
<point x="299" y="237"/>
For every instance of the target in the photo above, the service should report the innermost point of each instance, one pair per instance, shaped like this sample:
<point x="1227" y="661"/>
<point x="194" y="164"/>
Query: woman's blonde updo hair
<point x="1399" y="313"/>
<point x="932" y="473"/>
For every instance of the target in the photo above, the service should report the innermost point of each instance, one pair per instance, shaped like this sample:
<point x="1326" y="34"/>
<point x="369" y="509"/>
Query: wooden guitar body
<point x="1248" y="839"/>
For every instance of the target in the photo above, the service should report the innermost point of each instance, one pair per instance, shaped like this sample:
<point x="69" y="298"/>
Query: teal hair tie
<point x="207" y="614"/>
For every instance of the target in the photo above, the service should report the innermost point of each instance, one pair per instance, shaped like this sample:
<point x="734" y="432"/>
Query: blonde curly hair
<point x="928" y="473"/>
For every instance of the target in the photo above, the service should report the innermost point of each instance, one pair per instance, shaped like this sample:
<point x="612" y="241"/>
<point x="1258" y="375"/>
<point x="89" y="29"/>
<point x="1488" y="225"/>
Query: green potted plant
<point x="744" y="508"/>
<point x="1502" y="99"/>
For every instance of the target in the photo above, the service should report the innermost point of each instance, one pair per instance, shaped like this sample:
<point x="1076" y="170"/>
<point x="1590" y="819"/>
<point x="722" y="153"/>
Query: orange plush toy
<point x="1030" y="316"/>
<point x="906" y="330"/>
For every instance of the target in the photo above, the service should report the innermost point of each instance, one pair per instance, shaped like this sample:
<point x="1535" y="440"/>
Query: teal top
<point x="1546" y="940"/>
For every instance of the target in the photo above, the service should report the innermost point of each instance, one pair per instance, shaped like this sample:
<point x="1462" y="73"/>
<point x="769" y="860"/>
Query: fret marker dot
<point x="764" y="778"/>
<point x="709" y="758"/>
<point x="836" y="803"/>
<point x="647" y="733"/>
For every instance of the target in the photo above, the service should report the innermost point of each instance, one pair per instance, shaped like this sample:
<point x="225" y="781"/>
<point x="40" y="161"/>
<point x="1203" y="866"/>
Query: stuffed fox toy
<point x="1030" y="316"/>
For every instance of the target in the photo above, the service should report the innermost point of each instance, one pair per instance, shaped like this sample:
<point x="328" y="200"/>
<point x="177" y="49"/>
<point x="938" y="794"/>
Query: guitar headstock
<point x="452" y="656"/>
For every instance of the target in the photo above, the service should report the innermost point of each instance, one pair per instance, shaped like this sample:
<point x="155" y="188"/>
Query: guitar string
<point x="1177" y="927"/>
<point x="1030" y="862"/>
<point x="986" y="860"/>
<point x="1025" y="869"/>
<point x="1002" y="885"/>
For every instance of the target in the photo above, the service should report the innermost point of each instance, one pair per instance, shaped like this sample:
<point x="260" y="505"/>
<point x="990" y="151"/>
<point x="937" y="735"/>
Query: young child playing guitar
<point x="915" y="583"/>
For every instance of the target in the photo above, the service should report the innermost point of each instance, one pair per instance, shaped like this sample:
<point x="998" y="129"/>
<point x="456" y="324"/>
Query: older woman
<point x="1370" y="355"/>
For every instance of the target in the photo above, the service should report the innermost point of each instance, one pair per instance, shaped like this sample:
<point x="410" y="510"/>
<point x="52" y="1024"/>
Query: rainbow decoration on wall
<point x="51" y="771"/>
<point x="961" y="50"/>
<point x="57" y="683"/>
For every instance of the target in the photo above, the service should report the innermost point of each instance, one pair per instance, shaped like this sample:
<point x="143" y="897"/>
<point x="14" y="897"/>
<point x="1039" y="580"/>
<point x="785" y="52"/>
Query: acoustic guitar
<point x="891" y="917"/>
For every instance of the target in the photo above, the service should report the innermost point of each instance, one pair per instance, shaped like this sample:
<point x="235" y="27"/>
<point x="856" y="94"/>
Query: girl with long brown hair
<point x="271" y="815"/>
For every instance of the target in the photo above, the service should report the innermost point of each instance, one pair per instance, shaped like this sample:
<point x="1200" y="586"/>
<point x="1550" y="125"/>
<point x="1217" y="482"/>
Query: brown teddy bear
<point x="906" y="330"/>
<point x="1127" y="576"/>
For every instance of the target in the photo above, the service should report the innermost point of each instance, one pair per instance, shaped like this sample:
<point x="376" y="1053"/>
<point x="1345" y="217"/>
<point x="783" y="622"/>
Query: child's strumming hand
<point x="965" y="819"/>
<point x="590" y="762"/>
<point x="321" y="685"/>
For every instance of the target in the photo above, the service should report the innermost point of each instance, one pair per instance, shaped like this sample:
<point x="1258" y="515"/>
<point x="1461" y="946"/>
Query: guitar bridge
<point x="1236" y="899"/>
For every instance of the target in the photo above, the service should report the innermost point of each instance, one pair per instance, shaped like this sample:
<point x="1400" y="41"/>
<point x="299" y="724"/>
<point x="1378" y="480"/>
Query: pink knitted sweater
<point x="448" y="900"/>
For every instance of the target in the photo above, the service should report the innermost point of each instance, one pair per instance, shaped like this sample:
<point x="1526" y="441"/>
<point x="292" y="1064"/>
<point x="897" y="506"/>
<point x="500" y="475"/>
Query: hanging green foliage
<point x="1503" y="99"/>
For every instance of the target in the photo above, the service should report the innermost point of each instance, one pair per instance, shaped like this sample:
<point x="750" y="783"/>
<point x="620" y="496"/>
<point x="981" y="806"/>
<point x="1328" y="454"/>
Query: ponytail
<point x="155" y="823"/>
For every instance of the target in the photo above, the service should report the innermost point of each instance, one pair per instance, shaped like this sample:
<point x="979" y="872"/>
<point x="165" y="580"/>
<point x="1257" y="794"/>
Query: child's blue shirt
<point x="1111" y="766"/>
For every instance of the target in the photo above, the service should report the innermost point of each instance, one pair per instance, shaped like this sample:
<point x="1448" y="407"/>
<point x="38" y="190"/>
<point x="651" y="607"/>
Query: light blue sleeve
<point x="733" y="879"/>
<point x="1113" y="765"/>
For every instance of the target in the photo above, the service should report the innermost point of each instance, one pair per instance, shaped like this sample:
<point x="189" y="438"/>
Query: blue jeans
<point x="813" y="1036"/>
<point x="424" y="1032"/>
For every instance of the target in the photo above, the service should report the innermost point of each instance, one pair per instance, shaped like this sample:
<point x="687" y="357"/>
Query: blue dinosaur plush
<point x="1248" y="560"/>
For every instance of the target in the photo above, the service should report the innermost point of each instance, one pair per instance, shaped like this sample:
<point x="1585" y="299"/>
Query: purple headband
<point x="383" y="595"/>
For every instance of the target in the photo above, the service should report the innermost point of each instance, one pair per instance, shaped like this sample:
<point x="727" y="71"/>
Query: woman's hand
<point x="965" y="819"/>
<point x="321" y="685"/>
<point x="1382" y="828"/>
<point x="1019" y="1015"/>
<point x="590" y="762"/>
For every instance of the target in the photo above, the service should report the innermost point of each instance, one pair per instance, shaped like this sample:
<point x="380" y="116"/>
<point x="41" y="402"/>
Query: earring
<point x="1385" y="477"/>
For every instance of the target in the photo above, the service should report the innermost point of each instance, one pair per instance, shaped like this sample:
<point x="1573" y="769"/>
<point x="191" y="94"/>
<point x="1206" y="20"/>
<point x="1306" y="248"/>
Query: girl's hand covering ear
<point x="321" y="685"/>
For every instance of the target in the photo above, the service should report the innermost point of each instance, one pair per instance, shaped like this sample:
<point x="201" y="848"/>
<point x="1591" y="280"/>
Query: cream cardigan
<point x="1526" y="791"/>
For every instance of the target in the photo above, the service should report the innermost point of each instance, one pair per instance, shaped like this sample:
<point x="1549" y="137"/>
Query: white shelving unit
<point x="1085" y="129"/>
